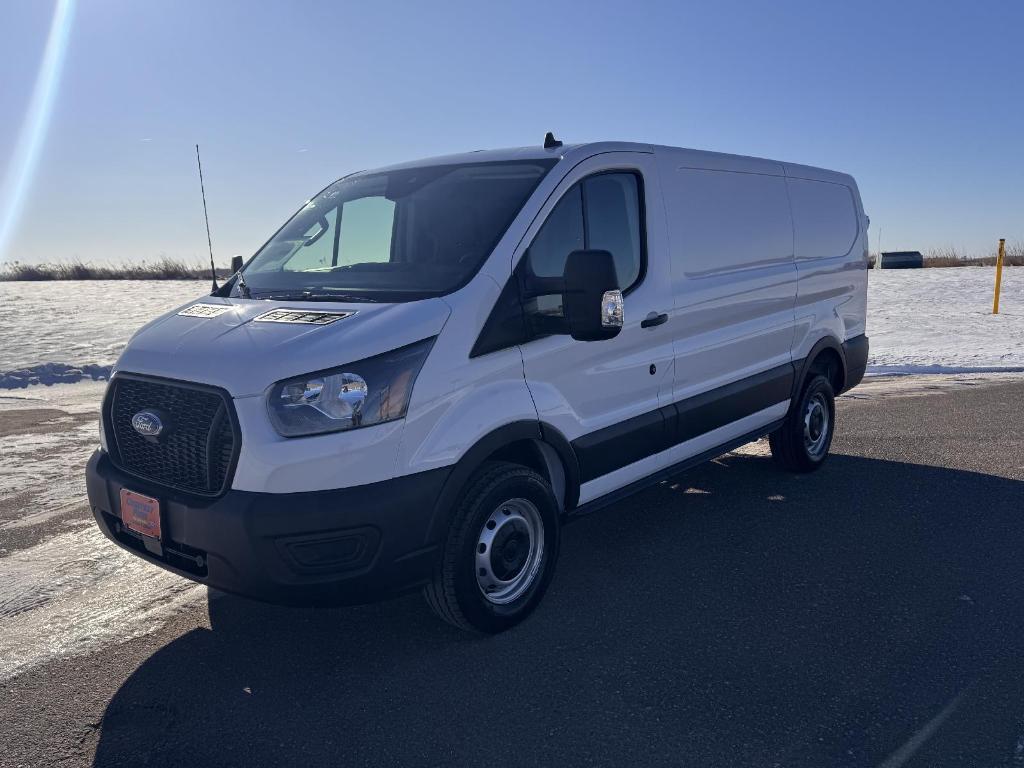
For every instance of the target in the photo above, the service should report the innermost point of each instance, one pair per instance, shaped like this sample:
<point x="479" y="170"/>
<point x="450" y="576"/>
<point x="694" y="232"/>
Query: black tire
<point x="455" y="594"/>
<point x="797" y="445"/>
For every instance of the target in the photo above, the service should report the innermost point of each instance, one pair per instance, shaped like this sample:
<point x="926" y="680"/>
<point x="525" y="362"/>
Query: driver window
<point x="602" y="212"/>
<point x="561" y="234"/>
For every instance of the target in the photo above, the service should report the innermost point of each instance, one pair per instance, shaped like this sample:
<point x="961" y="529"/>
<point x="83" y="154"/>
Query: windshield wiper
<point x="313" y="296"/>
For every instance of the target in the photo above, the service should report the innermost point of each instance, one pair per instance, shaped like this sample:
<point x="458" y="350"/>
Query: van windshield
<point x="393" y="236"/>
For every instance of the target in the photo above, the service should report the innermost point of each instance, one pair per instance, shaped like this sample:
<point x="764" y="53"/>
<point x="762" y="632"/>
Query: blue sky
<point x="920" y="101"/>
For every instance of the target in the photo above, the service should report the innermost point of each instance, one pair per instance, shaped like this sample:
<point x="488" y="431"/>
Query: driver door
<point x="606" y="396"/>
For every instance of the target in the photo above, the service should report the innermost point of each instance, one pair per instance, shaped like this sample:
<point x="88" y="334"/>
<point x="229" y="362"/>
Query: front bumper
<point x="352" y="545"/>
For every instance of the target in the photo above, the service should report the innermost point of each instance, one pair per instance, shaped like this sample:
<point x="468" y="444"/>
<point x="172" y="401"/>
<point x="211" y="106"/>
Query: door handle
<point x="654" y="319"/>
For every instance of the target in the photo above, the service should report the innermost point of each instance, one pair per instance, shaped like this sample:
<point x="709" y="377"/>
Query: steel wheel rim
<point x="817" y="423"/>
<point x="509" y="551"/>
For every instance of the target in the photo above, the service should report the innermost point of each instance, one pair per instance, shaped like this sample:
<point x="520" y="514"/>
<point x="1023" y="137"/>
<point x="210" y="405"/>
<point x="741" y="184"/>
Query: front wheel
<point x="801" y="444"/>
<point x="501" y="550"/>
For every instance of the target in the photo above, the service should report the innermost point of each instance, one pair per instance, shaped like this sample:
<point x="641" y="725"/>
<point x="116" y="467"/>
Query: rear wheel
<point x="501" y="549"/>
<point x="801" y="444"/>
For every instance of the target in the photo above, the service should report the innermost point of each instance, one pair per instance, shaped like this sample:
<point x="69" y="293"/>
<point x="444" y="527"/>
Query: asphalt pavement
<point x="869" y="614"/>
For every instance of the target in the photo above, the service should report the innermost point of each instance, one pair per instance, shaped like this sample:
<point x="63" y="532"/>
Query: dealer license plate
<point x="140" y="513"/>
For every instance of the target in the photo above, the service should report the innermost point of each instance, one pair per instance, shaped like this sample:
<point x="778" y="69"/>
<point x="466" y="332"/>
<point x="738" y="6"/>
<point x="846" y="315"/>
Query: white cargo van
<point x="430" y="367"/>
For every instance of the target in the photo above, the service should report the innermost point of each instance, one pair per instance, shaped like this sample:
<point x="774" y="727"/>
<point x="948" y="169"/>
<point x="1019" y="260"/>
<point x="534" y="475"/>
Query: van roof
<point x="686" y="158"/>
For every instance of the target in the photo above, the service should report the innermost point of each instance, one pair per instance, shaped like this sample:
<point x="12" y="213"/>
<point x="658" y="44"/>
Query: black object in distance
<point x="902" y="260"/>
<point x="236" y="263"/>
<point x="550" y="142"/>
<point x="588" y="275"/>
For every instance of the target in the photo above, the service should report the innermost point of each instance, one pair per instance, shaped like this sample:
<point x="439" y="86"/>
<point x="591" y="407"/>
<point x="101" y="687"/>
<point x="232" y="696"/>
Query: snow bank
<point x="53" y="373"/>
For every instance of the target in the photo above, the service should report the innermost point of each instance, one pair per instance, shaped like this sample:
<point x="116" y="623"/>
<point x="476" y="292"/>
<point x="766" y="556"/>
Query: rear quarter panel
<point x="831" y="295"/>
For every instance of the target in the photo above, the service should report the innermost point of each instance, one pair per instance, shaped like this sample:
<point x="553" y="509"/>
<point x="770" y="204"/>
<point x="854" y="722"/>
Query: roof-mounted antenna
<point x="213" y="269"/>
<point x="550" y="142"/>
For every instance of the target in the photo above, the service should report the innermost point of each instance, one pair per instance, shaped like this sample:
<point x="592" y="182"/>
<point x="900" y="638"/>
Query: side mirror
<point x="591" y="299"/>
<point x="236" y="263"/>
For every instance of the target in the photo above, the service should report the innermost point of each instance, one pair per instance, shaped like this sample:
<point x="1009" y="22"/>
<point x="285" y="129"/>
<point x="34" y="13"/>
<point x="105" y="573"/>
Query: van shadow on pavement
<point x="736" y="616"/>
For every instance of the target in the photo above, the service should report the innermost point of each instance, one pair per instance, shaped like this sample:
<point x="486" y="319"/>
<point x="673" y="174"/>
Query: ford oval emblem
<point x="147" y="423"/>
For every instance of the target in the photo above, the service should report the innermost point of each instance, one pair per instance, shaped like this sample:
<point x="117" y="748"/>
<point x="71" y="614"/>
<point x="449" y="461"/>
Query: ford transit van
<point x="431" y="367"/>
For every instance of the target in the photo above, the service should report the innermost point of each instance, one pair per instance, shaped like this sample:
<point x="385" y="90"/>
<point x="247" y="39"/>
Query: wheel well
<point x="829" y="364"/>
<point x="523" y="452"/>
<point x="541" y="458"/>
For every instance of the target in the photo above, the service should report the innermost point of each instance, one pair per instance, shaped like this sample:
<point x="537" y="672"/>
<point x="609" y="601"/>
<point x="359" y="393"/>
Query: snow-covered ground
<point x="60" y="330"/>
<point x="941" y="321"/>
<point x="65" y="589"/>
<point x="919" y="321"/>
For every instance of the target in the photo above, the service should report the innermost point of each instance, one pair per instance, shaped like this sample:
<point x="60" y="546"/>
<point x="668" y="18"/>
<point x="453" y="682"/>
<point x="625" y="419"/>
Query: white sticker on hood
<point x="204" y="310"/>
<point x="301" y="316"/>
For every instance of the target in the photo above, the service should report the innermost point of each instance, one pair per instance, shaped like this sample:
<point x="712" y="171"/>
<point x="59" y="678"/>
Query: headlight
<point x="371" y="391"/>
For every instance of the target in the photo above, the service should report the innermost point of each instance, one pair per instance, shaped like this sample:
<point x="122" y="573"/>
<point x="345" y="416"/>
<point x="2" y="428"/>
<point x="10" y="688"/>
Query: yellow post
<point x="999" y="274"/>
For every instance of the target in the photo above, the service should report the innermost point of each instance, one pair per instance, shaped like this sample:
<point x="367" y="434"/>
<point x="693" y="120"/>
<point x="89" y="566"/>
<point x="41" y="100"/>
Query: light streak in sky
<point x="22" y="165"/>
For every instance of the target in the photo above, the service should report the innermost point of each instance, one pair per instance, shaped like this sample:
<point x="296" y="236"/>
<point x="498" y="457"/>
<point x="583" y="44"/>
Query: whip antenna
<point x="213" y="269"/>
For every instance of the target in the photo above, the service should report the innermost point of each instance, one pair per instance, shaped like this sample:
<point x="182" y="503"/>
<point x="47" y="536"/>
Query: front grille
<point x="196" y="450"/>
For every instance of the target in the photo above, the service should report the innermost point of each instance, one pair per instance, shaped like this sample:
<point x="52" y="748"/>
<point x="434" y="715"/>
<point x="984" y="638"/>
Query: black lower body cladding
<point x="614" y="447"/>
<point x="347" y="546"/>
<point x="617" y="446"/>
<point x="855" y="352"/>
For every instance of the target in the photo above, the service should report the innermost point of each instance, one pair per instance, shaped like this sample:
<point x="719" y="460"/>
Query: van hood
<point x="227" y="346"/>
